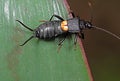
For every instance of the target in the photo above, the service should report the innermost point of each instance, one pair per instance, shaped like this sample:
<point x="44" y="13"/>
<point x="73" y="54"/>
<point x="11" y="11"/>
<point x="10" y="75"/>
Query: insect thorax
<point x="73" y="25"/>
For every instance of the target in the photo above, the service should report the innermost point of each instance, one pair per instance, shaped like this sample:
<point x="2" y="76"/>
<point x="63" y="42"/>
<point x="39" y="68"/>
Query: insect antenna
<point x="24" y="25"/>
<point x="27" y="41"/>
<point x="114" y="35"/>
<point x="91" y="19"/>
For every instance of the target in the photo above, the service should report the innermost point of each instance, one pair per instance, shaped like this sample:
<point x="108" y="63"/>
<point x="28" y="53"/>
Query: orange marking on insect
<point x="64" y="26"/>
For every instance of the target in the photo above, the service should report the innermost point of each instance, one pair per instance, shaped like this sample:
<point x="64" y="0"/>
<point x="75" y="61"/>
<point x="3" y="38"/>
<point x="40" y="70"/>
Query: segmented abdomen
<point x="49" y="30"/>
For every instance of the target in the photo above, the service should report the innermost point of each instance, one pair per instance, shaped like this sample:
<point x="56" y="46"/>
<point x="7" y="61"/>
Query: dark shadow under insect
<point x="55" y="28"/>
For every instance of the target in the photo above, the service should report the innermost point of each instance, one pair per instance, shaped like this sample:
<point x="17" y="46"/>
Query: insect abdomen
<point x="48" y="30"/>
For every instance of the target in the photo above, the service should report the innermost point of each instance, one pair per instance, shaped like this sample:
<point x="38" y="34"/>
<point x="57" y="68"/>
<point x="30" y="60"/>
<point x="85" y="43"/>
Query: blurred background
<point x="102" y="50"/>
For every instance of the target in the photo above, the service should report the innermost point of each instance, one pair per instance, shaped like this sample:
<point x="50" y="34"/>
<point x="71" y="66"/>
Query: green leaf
<point x="38" y="60"/>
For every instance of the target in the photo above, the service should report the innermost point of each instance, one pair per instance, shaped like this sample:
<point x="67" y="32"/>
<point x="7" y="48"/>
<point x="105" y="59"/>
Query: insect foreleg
<point x="81" y="35"/>
<point x="57" y="16"/>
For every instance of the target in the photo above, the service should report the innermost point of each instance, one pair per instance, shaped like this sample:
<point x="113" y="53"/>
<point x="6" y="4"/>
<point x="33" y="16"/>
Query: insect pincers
<point x="55" y="28"/>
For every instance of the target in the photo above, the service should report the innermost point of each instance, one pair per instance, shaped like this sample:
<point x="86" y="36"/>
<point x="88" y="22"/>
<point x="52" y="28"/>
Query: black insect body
<point x="48" y="30"/>
<point x="52" y="29"/>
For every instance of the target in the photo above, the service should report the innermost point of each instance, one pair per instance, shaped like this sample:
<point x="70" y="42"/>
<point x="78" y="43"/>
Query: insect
<point x="54" y="28"/>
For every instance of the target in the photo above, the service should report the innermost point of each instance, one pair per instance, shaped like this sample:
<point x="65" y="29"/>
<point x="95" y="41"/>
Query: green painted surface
<point x="38" y="60"/>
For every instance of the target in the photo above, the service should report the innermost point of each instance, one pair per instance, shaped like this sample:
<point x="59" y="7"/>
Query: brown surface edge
<point x="81" y="46"/>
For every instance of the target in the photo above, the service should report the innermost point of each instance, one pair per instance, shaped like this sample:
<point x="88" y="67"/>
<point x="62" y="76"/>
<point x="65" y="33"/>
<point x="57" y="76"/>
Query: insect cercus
<point x="54" y="28"/>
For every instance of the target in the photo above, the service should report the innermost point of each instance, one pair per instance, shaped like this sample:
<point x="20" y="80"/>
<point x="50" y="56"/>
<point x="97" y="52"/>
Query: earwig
<point x="54" y="28"/>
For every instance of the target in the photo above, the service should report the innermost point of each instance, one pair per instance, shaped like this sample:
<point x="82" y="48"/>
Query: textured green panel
<point x="38" y="60"/>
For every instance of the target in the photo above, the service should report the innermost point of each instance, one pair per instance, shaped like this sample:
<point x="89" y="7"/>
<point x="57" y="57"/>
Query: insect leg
<point x="75" y="39"/>
<point x="24" y="25"/>
<point x="60" y="43"/>
<point x="73" y="15"/>
<point x="57" y="16"/>
<point x="82" y="35"/>
<point x="27" y="41"/>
